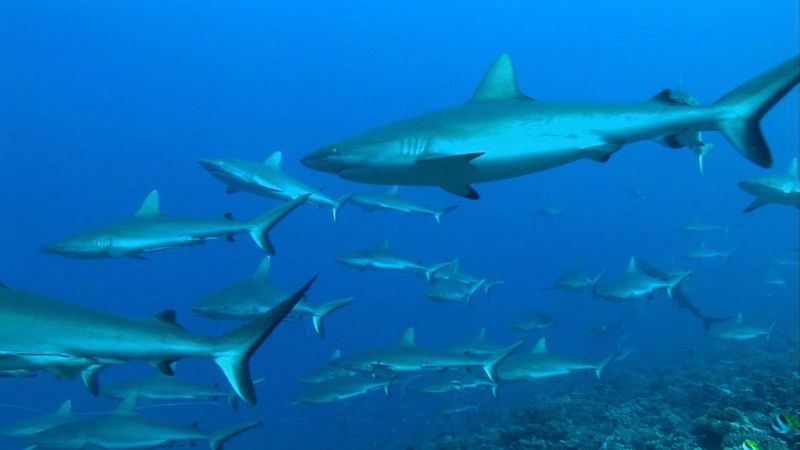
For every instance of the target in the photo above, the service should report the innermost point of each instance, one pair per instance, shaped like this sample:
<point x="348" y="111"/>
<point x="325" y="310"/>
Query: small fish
<point x="750" y="444"/>
<point x="783" y="423"/>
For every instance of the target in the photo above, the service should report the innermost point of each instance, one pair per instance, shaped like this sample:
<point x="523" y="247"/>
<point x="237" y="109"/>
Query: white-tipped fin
<point x="150" y="205"/>
<point x="540" y="347"/>
<point x="499" y="83"/>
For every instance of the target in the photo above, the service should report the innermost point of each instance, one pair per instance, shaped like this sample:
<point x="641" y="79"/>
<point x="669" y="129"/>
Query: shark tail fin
<point x="321" y="311"/>
<point x="472" y="290"/>
<point x="434" y="269"/>
<point x="490" y="366"/>
<point x="235" y="348"/>
<point x="490" y="285"/>
<point x="260" y="226"/>
<point x="441" y="212"/>
<point x="740" y="111"/>
<point x="338" y="203"/>
<point x="676" y="281"/>
<point x="218" y="438"/>
<point x="90" y="376"/>
<point x="605" y="362"/>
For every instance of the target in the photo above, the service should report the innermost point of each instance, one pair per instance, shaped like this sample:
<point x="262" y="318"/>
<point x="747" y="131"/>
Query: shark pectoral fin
<point x="757" y="203"/>
<point x="601" y="153"/>
<point x="449" y="162"/>
<point x="463" y="190"/>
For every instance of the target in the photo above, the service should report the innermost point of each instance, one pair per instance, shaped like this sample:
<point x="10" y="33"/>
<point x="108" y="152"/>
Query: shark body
<point x="502" y="133"/>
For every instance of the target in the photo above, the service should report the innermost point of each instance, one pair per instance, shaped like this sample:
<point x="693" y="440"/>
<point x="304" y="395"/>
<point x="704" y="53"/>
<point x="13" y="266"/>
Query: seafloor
<point x="711" y="397"/>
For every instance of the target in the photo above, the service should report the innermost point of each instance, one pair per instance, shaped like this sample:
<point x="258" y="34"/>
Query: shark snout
<point x="213" y="165"/>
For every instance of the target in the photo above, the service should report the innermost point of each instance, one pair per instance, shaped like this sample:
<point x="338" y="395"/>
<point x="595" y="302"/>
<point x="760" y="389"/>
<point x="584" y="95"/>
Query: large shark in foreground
<point x="502" y="133"/>
<point x="150" y="230"/>
<point x="777" y="188"/>
<point x="54" y="331"/>
<point x="257" y="295"/>
<point x="266" y="179"/>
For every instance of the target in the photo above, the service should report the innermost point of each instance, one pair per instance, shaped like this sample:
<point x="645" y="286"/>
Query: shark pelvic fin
<point x="150" y="205"/>
<point x="499" y="83"/>
<point x="274" y="160"/>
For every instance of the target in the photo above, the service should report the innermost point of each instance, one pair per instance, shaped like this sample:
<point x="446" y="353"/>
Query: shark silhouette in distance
<point x="502" y="133"/>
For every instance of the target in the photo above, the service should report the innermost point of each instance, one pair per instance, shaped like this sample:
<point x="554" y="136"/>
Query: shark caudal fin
<point x="490" y="366"/>
<point x="605" y="362"/>
<point x="236" y="347"/>
<point x="472" y="290"/>
<point x="441" y="212"/>
<point x="740" y="111"/>
<point x="676" y="281"/>
<point x="436" y="268"/>
<point x="260" y="226"/>
<point x="489" y="286"/>
<point x="218" y="438"/>
<point x="320" y="311"/>
<point x="337" y="203"/>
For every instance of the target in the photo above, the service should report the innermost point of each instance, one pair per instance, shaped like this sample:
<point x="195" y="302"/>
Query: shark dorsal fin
<point x="128" y="404"/>
<point x="392" y="191"/>
<point x="65" y="408"/>
<point x="336" y="355"/>
<point x="262" y="269"/>
<point x="793" y="168"/>
<point x="499" y="83"/>
<point x="149" y="206"/>
<point x="384" y="245"/>
<point x="274" y="160"/>
<point x="632" y="265"/>
<point x="540" y="347"/>
<point x="408" y="337"/>
<point x="674" y="97"/>
<point x="481" y="334"/>
<point x="738" y="318"/>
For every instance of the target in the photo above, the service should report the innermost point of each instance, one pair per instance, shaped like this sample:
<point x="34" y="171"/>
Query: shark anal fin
<point x="463" y="190"/>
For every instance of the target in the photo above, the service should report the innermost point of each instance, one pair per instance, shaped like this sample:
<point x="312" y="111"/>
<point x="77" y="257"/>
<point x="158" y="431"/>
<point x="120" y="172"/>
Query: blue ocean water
<point x="105" y="101"/>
